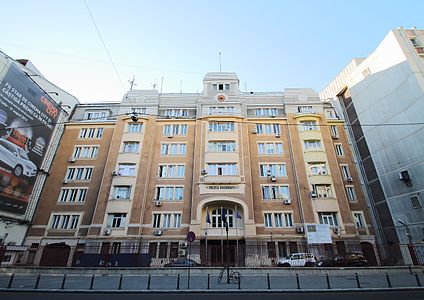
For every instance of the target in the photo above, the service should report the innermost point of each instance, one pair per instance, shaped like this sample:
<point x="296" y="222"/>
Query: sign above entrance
<point x="191" y="236"/>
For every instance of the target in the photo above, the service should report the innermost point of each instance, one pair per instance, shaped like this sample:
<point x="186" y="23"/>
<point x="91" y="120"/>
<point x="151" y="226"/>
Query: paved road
<point x="328" y="295"/>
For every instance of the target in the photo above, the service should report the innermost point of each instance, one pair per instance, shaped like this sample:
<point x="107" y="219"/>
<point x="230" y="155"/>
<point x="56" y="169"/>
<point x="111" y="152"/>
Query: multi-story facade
<point x="246" y="172"/>
<point x="32" y="113"/>
<point x="382" y="99"/>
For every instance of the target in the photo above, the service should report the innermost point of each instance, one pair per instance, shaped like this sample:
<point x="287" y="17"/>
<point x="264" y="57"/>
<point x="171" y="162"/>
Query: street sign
<point x="191" y="236"/>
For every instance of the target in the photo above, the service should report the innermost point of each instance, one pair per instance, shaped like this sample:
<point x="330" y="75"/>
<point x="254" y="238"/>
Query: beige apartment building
<point x="249" y="173"/>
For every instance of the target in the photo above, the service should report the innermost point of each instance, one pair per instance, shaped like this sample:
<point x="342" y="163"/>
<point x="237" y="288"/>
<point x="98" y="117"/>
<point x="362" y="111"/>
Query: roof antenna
<point x="161" y="85"/>
<point x="219" y="62"/>
<point x="132" y="83"/>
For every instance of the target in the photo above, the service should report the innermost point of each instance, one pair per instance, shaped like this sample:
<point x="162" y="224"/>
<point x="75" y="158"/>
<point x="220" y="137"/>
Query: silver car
<point x="17" y="159"/>
<point x="297" y="260"/>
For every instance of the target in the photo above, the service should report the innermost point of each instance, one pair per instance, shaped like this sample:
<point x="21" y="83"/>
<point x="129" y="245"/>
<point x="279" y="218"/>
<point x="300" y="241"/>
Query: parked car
<point x="17" y="159"/>
<point x="183" y="262"/>
<point x="346" y="260"/>
<point x="297" y="260"/>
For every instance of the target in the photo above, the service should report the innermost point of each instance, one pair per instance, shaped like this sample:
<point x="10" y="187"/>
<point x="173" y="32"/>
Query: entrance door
<point x="222" y="254"/>
<point x="55" y="255"/>
<point x="368" y="251"/>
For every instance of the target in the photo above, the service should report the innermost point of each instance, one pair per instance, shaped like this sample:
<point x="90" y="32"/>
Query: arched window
<point x="218" y="221"/>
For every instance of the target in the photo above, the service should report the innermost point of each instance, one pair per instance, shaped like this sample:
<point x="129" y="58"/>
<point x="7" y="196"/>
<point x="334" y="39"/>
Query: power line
<point x="104" y="45"/>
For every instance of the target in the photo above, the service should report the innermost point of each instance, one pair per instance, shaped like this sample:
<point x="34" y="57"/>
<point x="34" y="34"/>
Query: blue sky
<point x="271" y="45"/>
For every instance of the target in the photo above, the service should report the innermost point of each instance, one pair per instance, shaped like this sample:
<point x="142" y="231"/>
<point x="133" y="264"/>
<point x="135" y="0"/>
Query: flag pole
<point x="237" y="240"/>
<point x="222" y="241"/>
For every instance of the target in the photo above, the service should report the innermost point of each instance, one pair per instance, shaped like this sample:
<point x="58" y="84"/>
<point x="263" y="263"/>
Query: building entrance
<point x="220" y="254"/>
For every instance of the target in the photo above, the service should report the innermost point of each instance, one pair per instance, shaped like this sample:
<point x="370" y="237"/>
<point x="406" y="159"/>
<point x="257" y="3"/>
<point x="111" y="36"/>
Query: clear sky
<point x="271" y="45"/>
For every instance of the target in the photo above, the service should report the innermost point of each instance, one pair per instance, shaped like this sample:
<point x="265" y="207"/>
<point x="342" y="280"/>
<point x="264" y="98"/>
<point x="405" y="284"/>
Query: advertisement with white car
<point x="27" y="120"/>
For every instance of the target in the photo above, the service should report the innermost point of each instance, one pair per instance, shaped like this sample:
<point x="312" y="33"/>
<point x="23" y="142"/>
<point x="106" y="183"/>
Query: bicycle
<point x="234" y="277"/>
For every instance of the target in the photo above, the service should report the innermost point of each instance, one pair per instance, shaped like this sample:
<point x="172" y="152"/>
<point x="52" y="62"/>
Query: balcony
<point x="218" y="232"/>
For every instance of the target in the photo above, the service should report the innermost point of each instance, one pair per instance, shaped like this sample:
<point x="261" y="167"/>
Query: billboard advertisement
<point x="318" y="234"/>
<point x="27" y="119"/>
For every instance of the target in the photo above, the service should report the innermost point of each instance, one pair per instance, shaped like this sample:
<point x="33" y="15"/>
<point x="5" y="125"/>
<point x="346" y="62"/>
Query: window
<point x="277" y="170"/>
<point x="322" y="190"/>
<point x="269" y="148"/>
<point x="218" y="110"/>
<point x="288" y="219"/>
<point x="175" y="129"/>
<point x="220" y="86"/>
<point x="221" y="215"/>
<point x="414" y="42"/>
<point x="171" y="171"/>
<point x="273" y="111"/>
<point x="281" y="220"/>
<point x="122" y="192"/>
<point x="358" y="218"/>
<point x="339" y="149"/>
<point x="176" y="112"/>
<point x="334" y="132"/>
<point x="169" y="193"/>
<point x="130" y="147"/>
<point x="345" y="171"/>
<point x="318" y="168"/>
<point x="350" y="191"/>
<point x="173" y="149"/>
<point x="126" y="169"/>
<point x="96" y="115"/>
<point x="312" y="145"/>
<point x="309" y="125"/>
<point x="222" y="169"/>
<point x="64" y="222"/>
<point x="224" y="146"/>
<point x="156" y="220"/>
<point x="166" y="220"/>
<point x="268" y="128"/>
<point x="331" y="114"/>
<point x="268" y="220"/>
<point x="83" y="173"/>
<point x="329" y="218"/>
<point x="135" y="127"/>
<point x="177" y="220"/>
<point x="85" y="151"/>
<point x="90" y="133"/>
<point x="73" y="194"/>
<point x="139" y="110"/>
<point x="305" y="109"/>
<point x="116" y="220"/>
<point x="273" y="192"/>
<point x="221" y="127"/>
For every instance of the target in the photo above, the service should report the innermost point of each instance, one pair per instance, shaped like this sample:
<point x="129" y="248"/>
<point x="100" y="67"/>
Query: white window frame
<point x="127" y="169"/>
<point x="351" y="194"/>
<point x="312" y="145"/>
<point x="122" y="192"/>
<point x="116" y="220"/>
<point x="221" y="126"/>
<point x="359" y="219"/>
<point x="345" y="171"/>
<point x="135" y="127"/>
<point x="339" y="149"/>
<point x="329" y="218"/>
<point x="273" y="169"/>
<point x="222" y="169"/>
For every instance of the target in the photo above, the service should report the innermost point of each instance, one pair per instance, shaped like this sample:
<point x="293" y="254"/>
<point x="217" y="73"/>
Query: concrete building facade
<point x="382" y="99"/>
<point x="246" y="172"/>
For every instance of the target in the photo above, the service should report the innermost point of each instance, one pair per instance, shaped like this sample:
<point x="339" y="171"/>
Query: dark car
<point x="182" y="262"/>
<point x="346" y="260"/>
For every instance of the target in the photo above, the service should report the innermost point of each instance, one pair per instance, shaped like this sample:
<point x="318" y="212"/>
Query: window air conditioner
<point x="108" y="231"/>
<point x="336" y="230"/>
<point x="170" y="136"/>
<point x="300" y="229"/>
<point x="350" y="179"/>
<point x="287" y="201"/>
<point x="158" y="203"/>
<point x="183" y="244"/>
<point x="254" y="131"/>
<point x="72" y="159"/>
<point x="313" y="194"/>
<point x="277" y="135"/>
<point x="114" y="173"/>
<point x="182" y="252"/>
<point x="158" y="232"/>
<point x="65" y="181"/>
<point x="273" y="178"/>
<point x="204" y="172"/>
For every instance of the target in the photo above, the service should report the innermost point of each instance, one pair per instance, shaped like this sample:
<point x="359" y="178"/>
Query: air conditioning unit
<point x="336" y="230"/>
<point x="183" y="244"/>
<point x="254" y="131"/>
<point x="158" y="203"/>
<point x="114" y="173"/>
<point x="277" y="135"/>
<point x="204" y="172"/>
<point x="181" y="252"/>
<point x="300" y="229"/>
<point x="335" y="136"/>
<point x="108" y="231"/>
<point x="72" y="159"/>
<point x="273" y="178"/>
<point x="158" y="232"/>
<point x="350" y="179"/>
<point x="170" y="136"/>
<point x="313" y="194"/>
<point x="287" y="201"/>
<point x="65" y="181"/>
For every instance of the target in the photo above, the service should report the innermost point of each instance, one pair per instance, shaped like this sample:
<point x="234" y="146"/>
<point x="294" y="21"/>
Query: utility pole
<point x="132" y="83"/>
